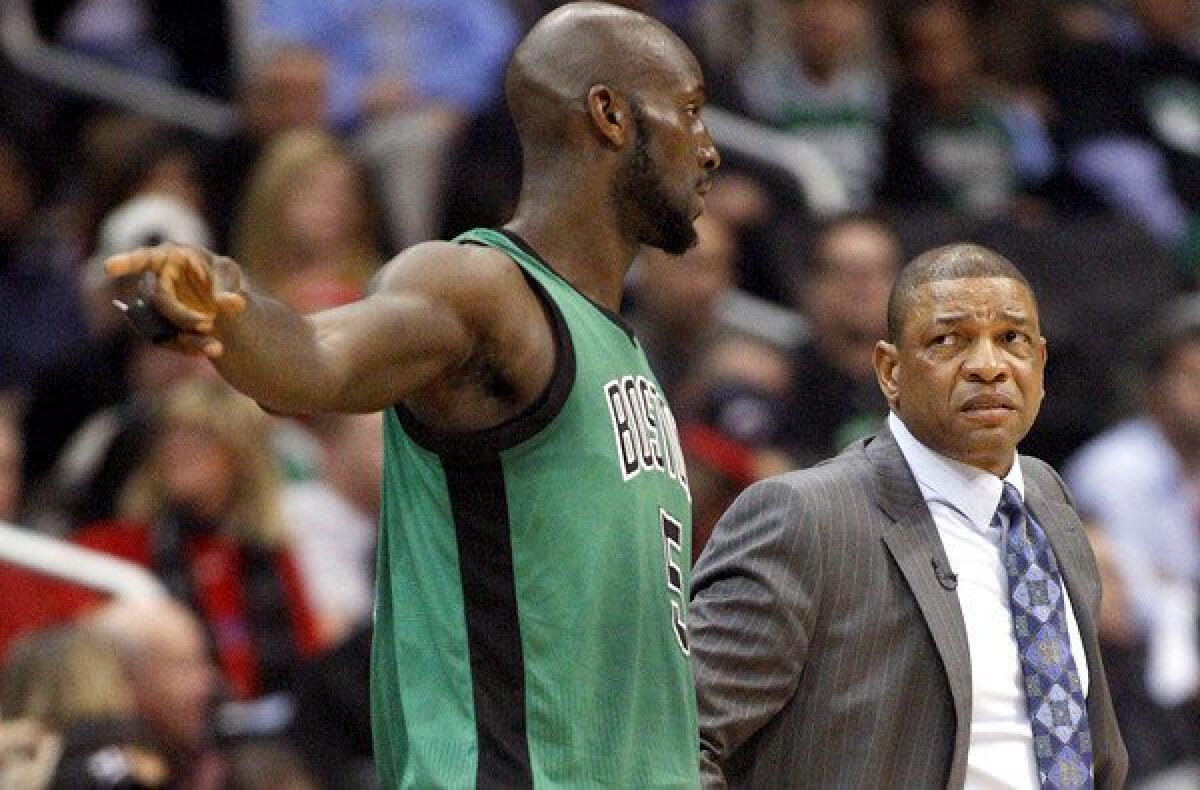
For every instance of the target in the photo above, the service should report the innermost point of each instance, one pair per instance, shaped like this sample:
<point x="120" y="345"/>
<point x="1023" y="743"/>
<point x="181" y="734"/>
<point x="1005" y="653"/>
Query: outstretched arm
<point x="415" y="325"/>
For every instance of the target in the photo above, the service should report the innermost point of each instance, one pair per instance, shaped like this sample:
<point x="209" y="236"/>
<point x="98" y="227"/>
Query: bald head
<point x="577" y="47"/>
<point x="136" y="624"/>
<point x="166" y="652"/>
<point x="951" y="262"/>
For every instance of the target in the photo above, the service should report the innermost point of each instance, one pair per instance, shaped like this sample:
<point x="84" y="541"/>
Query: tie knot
<point x="1011" y="504"/>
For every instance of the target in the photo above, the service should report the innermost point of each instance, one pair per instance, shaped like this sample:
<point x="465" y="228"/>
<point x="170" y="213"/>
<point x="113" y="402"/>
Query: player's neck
<point x="582" y="245"/>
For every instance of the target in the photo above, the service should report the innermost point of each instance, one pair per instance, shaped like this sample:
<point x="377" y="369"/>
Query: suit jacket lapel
<point x="913" y="541"/>
<point x="1061" y="525"/>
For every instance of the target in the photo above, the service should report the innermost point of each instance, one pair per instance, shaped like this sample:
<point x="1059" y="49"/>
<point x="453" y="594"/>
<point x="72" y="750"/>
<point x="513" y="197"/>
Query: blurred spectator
<point x="63" y="675"/>
<point x="11" y="449"/>
<point x="1140" y="483"/>
<point x="386" y="56"/>
<point x="332" y="727"/>
<point x="127" y="156"/>
<point x="404" y="77"/>
<point x="267" y="765"/>
<point x="823" y="85"/>
<point x="1143" y="722"/>
<point x="719" y="468"/>
<point x="1131" y="119"/>
<point x="41" y="318"/>
<point x="70" y="681"/>
<point x="108" y="369"/>
<point x="282" y="88"/>
<point x="725" y="34"/>
<point x="950" y="140"/>
<point x="335" y="518"/>
<point x="28" y="754"/>
<point x="45" y="309"/>
<point x="842" y="291"/>
<point x="734" y="387"/>
<point x="17" y="196"/>
<point x="164" y="652"/>
<point x="305" y="228"/>
<point x="202" y="512"/>
<point x="482" y="174"/>
<point x="675" y="301"/>
<point x="730" y="402"/>
<point x="187" y="43"/>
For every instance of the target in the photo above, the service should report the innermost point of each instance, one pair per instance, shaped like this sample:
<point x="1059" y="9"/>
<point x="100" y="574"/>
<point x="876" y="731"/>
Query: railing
<point x="763" y="320"/>
<point x="812" y="171"/>
<point x="75" y="564"/>
<point x="96" y="79"/>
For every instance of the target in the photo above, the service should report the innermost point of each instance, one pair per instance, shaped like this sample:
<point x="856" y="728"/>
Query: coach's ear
<point x="887" y="366"/>
<point x="609" y="113"/>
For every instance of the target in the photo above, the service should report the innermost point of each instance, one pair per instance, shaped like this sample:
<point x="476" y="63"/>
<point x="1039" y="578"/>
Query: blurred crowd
<point x="1063" y="133"/>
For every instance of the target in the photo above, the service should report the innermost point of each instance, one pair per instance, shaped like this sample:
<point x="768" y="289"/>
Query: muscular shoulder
<point x="483" y="286"/>
<point x="459" y="271"/>
<point x="510" y="353"/>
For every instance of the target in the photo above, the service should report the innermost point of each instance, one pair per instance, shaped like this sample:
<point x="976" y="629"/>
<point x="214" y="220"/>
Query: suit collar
<point x="972" y="492"/>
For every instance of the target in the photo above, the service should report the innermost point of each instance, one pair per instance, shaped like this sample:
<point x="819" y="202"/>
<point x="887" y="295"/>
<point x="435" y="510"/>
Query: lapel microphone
<point x="946" y="577"/>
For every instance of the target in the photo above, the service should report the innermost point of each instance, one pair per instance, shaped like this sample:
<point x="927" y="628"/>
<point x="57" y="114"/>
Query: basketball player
<point x="533" y="561"/>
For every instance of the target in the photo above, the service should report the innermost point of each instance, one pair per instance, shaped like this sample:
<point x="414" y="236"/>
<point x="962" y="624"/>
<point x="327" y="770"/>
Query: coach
<point x="921" y="610"/>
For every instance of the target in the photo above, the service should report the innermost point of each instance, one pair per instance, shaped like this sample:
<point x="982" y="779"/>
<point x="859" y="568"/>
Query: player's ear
<point x="609" y="113"/>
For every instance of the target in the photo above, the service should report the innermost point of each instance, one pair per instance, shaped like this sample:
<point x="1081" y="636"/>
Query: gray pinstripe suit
<point x="827" y="653"/>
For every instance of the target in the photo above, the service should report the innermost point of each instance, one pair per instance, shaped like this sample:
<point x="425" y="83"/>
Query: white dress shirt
<point x="963" y="501"/>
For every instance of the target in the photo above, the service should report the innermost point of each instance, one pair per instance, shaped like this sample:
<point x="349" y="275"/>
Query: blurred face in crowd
<point x="10" y="467"/>
<point x="197" y="471"/>
<point x="684" y="292"/>
<point x="287" y="91"/>
<point x="1168" y="20"/>
<point x="965" y="374"/>
<point x="175" y="175"/>
<point x="154" y="369"/>
<point x="176" y="680"/>
<point x="828" y="33"/>
<point x="16" y="193"/>
<point x="939" y="55"/>
<point x="1175" y="395"/>
<point x="846" y="293"/>
<point x="325" y="208"/>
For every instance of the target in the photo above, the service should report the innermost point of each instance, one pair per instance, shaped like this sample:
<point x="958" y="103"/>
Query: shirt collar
<point x="972" y="492"/>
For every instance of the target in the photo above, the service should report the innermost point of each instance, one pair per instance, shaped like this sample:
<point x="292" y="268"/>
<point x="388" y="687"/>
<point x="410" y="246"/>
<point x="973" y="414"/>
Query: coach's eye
<point x="1015" y="336"/>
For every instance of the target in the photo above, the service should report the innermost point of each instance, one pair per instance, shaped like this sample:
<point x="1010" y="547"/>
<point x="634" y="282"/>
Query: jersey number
<point x="672" y="532"/>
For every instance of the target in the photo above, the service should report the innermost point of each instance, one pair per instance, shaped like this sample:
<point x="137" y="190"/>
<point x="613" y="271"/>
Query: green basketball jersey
<point x="534" y="578"/>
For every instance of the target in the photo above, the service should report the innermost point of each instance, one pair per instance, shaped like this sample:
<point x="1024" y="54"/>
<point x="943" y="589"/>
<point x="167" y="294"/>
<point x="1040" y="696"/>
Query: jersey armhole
<point x="476" y="446"/>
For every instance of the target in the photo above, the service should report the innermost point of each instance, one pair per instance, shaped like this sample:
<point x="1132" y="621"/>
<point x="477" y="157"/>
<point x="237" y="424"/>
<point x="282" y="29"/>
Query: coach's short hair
<point x="951" y="262"/>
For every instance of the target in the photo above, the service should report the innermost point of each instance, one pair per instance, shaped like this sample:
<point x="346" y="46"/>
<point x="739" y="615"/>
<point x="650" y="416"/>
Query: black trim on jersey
<point x="468" y="446"/>
<point x="479" y="503"/>
<point x="609" y="314"/>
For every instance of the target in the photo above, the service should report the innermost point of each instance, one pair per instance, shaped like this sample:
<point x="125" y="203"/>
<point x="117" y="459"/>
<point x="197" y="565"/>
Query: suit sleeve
<point x="754" y="605"/>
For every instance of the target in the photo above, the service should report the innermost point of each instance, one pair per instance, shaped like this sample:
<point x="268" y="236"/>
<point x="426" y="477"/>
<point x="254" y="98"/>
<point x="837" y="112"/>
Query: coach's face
<point x="965" y="375"/>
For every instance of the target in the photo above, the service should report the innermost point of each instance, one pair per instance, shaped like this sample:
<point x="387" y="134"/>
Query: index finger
<point x="134" y="262"/>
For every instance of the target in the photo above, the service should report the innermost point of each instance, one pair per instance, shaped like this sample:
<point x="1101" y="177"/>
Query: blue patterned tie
<point x="1062" y="741"/>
